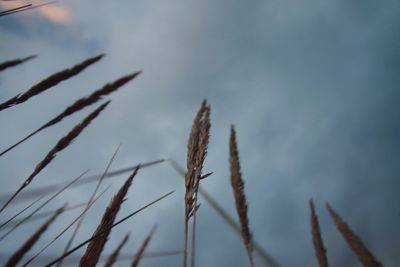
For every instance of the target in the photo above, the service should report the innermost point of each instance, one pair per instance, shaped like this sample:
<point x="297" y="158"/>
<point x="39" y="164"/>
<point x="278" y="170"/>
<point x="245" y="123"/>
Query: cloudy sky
<point x="311" y="86"/>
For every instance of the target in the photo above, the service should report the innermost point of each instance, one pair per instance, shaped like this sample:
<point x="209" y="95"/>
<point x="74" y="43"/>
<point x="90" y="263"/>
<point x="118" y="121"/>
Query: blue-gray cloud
<point x="312" y="88"/>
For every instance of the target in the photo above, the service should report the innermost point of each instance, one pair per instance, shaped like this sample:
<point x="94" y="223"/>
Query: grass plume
<point x="49" y="82"/>
<point x="197" y="150"/>
<point x="15" y="62"/>
<point x="79" y="105"/>
<point x="240" y="197"/>
<point x="94" y="249"/>
<point x="61" y="145"/>
<point x="356" y="244"/>
<point x="114" y="256"/>
<point x="320" y="251"/>
<point x="17" y="256"/>
<point x="138" y="256"/>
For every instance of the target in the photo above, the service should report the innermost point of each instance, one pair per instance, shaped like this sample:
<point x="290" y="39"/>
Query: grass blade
<point x="45" y="214"/>
<point x="61" y="145"/>
<point x="43" y="190"/>
<point x="21" y="211"/>
<point x="41" y="206"/>
<point x="74" y="259"/>
<point x="27" y="8"/>
<point x="14" y="9"/>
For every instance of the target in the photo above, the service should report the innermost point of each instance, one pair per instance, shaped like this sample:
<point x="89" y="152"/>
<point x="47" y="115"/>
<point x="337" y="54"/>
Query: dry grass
<point x="197" y="150"/>
<point x="240" y="197"/>
<point x="356" y="244"/>
<point x="95" y="247"/>
<point x="320" y="251"/>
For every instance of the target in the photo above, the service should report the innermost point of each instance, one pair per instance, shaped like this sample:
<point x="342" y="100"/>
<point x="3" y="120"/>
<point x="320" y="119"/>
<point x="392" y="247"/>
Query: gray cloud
<point x="311" y="87"/>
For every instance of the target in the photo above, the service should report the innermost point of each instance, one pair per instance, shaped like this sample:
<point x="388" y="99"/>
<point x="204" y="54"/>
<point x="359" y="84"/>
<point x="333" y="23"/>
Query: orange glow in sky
<point x="55" y="13"/>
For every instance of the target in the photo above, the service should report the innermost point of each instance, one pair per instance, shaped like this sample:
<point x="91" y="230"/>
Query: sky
<point x="312" y="88"/>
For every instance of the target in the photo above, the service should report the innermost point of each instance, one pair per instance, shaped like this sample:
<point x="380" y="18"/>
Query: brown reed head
<point x="95" y="247"/>
<point x="238" y="192"/>
<point x="320" y="251"/>
<point x="355" y="242"/>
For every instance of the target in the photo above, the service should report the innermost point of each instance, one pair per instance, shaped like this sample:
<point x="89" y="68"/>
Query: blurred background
<point x="311" y="86"/>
